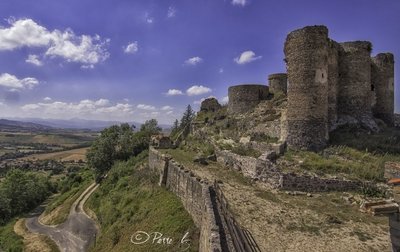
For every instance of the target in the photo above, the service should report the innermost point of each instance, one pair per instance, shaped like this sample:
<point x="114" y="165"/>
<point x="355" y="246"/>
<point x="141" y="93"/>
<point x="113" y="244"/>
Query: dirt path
<point x="76" y="233"/>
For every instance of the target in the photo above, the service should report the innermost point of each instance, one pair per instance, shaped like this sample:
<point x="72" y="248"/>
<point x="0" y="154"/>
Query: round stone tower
<point x="355" y="79"/>
<point x="383" y="84"/>
<point x="277" y="83"/>
<point x="306" y="56"/>
<point x="243" y="98"/>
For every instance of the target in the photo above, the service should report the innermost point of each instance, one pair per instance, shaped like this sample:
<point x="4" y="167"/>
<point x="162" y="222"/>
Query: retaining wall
<point x="195" y="195"/>
<point x="263" y="169"/>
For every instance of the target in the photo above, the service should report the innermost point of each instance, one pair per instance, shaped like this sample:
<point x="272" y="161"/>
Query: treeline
<point x="119" y="142"/>
<point x="21" y="192"/>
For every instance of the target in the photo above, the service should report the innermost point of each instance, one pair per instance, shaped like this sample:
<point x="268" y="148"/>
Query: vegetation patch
<point x="129" y="200"/>
<point x="9" y="240"/>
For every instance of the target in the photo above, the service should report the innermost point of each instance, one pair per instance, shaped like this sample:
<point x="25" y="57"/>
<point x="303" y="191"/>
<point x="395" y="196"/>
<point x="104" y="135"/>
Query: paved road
<point x="76" y="234"/>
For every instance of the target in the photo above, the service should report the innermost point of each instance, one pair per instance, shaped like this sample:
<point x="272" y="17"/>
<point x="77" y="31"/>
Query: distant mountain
<point x="78" y="123"/>
<point x="10" y="125"/>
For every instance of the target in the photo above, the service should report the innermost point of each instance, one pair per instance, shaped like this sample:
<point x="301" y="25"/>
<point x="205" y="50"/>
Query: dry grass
<point x="34" y="242"/>
<point x="69" y="155"/>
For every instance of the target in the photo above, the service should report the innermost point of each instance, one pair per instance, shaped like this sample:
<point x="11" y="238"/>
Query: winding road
<point x="76" y="234"/>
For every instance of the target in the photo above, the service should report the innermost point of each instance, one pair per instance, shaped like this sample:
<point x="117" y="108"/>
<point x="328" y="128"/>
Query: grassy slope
<point x="355" y="155"/>
<point x="58" y="208"/>
<point x="130" y="200"/>
<point x="10" y="241"/>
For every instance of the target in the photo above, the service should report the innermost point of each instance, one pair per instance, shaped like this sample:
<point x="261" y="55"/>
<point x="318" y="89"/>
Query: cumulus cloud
<point x="173" y="92"/>
<point x="225" y="100"/>
<point x="149" y="19"/>
<point x="34" y="60"/>
<point x="197" y="90"/>
<point x="131" y="48"/>
<point x="171" y="12"/>
<point x="85" y="108"/>
<point x="84" y="49"/>
<point x="146" y="107"/>
<point x="246" y="57"/>
<point x="11" y="82"/>
<point x="47" y="99"/>
<point x="193" y="61"/>
<point x="239" y="2"/>
<point x="167" y="108"/>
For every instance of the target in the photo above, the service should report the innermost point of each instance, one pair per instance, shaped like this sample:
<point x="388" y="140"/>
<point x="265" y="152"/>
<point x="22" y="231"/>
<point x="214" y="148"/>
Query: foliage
<point x="129" y="200"/>
<point x="246" y="151"/>
<point x="22" y="191"/>
<point x="119" y="143"/>
<point x="10" y="241"/>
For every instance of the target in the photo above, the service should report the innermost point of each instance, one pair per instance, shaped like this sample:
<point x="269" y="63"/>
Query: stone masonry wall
<point x="383" y="83"/>
<point x="355" y="79"/>
<point x="306" y="52"/>
<point x="277" y="83"/>
<point x="195" y="195"/>
<point x="243" y="98"/>
<point x="262" y="169"/>
<point x="333" y="81"/>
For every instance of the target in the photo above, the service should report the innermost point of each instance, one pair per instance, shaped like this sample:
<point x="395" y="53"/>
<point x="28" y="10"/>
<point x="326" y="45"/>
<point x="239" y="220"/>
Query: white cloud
<point x="197" y="90"/>
<point x="82" y="49"/>
<point x="91" y="109"/>
<point x="239" y="2"/>
<point x="47" y="99"/>
<point x="34" y="59"/>
<point x="221" y="70"/>
<point x="146" y="107"/>
<point x="173" y="92"/>
<point x="102" y="102"/>
<point x="225" y="100"/>
<point x="149" y="19"/>
<point x="171" y="12"/>
<point x="131" y="48"/>
<point x="193" y="61"/>
<point x="167" y="108"/>
<point x="13" y="83"/>
<point x="246" y="57"/>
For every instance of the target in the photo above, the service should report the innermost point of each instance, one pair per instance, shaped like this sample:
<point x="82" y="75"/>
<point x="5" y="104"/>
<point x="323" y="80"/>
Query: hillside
<point x="19" y="126"/>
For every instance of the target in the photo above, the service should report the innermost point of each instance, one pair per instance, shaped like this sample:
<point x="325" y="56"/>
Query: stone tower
<point x="243" y="98"/>
<point x="333" y="81"/>
<point x="277" y="83"/>
<point x="306" y="55"/>
<point x="383" y="85"/>
<point x="355" y="79"/>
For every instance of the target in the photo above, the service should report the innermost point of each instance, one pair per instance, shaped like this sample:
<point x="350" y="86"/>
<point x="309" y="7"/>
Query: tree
<point x="175" y="127"/>
<point x="119" y="143"/>
<point x="187" y="117"/>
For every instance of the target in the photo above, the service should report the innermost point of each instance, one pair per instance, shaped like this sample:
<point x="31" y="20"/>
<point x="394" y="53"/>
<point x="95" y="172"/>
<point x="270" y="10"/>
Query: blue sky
<point x="132" y="60"/>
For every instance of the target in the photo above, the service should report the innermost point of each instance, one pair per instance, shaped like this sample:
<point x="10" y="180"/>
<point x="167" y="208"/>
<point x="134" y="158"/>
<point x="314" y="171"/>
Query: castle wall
<point x="355" y="79"/>
<point x="382" y="78"/>
<point x="333" y="80"/>
<point x="243" y="98"/>
<point x="195" y="195"/>
<point x="277" y="83"/>
<point x="306" y="52"/>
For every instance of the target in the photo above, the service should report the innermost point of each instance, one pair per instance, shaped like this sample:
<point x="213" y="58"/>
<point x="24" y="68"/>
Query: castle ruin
<point x="328" y="84"/>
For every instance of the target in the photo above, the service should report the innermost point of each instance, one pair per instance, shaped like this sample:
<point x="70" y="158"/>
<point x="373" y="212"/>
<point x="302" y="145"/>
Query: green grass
<point x="343" y="160"/>
<point x="10" y="241"/>
<point x="67" y="198"/>
<point x="129" y="200"/>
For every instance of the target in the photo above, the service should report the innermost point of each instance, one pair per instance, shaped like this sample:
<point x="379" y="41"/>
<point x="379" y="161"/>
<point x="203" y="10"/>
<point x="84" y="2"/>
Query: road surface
<point x="76" y="234"/>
